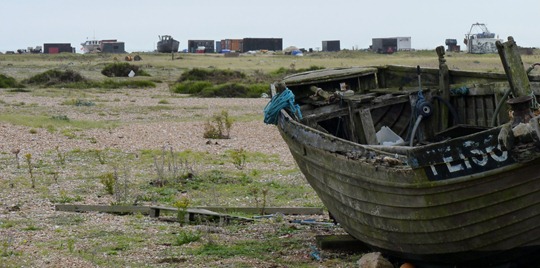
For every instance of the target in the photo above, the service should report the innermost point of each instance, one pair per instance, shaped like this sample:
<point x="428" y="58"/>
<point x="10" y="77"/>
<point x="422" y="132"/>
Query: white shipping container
<point x="403" y="43"/>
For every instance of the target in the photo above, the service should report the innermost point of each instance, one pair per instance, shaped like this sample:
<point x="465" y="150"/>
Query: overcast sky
<point x="300" y="23"/>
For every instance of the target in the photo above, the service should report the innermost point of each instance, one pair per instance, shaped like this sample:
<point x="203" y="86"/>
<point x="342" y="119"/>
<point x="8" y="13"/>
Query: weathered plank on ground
<point x="154" y="211"/>
<point x="103" y="208"/>
<point x="269" y="210"/>
<point x="192" y="212"/>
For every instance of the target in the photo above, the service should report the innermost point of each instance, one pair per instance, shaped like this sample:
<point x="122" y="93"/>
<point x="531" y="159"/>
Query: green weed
<point x="171" y="168"/>
<point x="239" y="157"/>
<point x="71" y="245"/>
<point x="78" y="102"/>
<point x="108" y="180"/>
<point x="219" y="127"/>
<point x="61" y="156"/>
<point x="64" y="198"/>
<point x="28" y="158"/>
<point x="185" y="237"/>
<point x="60" y="117"/>
<point x="8" y="248"/>
<point x="101" y="156"/>
<point x="182" y="204"/>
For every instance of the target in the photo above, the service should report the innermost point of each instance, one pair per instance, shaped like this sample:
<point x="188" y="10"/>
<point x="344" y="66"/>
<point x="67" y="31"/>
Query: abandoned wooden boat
<point x="424" y="165"/>
<point x="167" y="44"/>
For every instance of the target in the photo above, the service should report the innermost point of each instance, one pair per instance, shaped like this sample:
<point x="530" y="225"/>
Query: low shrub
<point x="225" y="83"/>
<point x="110" y="84"/>
<point x="9" y="82"/>
<point x="219" y="127"/>
<point x="215" y="76"/>
<point x="122" y="69"/>
<point x="108" y="180"/>
<point x="227" y="90"/>
<point x="191" y="87"/>
<point x="186" y="236"/>
<point x="56" y="77"/>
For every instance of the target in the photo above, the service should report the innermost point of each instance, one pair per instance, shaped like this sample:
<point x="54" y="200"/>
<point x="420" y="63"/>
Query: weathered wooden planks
<point x="214" y="210"/>
<point x="103" y="208"/>
<point x="513" y="67"/>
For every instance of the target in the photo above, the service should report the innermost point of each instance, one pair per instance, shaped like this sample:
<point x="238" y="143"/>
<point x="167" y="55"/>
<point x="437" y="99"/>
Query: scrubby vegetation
<point x="122" y="69"/>
<point x="230" y="84"/>
<point x="111" y="84"/>
<point x="218" y="83"/>
<point x="219" y="127"/>
<point x="72" y="79"/>
<point x="55" y="77"/>
<point x="9" y="82"/>
<point x="281" y="72"/>
<point x="214" y="76"/>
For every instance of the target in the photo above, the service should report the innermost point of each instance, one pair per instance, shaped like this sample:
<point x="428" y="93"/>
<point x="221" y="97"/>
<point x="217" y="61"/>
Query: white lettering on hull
<point x="478" y="158"/>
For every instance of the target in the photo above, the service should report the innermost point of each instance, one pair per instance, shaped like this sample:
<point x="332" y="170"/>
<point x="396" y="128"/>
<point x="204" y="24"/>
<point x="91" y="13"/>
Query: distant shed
<point x="113" y="47"/>
<point x="333" y="45"/>
<point x="206" y="46"/>
<point x="390" y="44"/>
<point x="255" y="44"/>
<point x="233" y="45"/>
<point x="55" y="48"/>
<point x="219" y="49"/>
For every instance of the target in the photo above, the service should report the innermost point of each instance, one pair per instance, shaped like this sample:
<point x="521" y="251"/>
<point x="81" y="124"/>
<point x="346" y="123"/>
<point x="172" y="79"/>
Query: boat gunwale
<point x="377" y="149"/>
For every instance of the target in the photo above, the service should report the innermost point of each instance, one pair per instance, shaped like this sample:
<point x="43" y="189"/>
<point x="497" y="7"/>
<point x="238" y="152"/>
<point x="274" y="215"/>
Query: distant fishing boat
<point x="482" y="41"/>
<point x="425" y="165"/>
<point x="167" y="44"/>
<point x="95" y="46"/>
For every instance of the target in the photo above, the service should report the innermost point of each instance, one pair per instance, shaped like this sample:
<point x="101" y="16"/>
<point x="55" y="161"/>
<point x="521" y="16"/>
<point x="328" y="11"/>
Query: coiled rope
<point x="280" y="101"/>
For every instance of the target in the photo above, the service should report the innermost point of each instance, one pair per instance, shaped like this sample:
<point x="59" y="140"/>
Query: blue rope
<point x="279" y="101"/>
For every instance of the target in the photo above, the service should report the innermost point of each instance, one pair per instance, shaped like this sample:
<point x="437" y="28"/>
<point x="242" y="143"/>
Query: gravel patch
<point x="33" y="234"/>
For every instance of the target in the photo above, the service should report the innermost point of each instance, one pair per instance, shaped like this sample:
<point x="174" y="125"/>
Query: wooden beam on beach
<point x="269" y="210"/>
<point x="103" y="208"/>
<point x="192" y="213"/>
<point x="154" y="211"/>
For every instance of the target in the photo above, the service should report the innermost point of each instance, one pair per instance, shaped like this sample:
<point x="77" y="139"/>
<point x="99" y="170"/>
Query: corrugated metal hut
<point x="233" y="45"/>
<point x="219" y="49"/>
<point x="113" y="47"/>
<point x="332" y="45"/>
<point x="196" y="46"/>
<point x="254" y="44"/>
<point x="55" y="48"/>
<point x="390" y="44"/>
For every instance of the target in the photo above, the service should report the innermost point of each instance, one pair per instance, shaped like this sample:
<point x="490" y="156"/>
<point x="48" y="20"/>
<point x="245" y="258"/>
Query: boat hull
<point x="168" y="46"/>
<point x="481" y="218"/>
